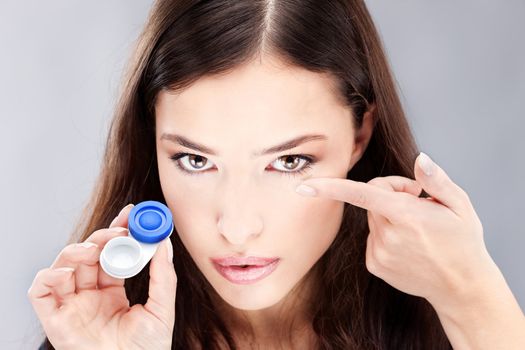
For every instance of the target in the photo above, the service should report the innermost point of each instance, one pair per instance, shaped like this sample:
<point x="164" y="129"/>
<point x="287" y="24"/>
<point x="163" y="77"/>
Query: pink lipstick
<point x="245" y="270"/>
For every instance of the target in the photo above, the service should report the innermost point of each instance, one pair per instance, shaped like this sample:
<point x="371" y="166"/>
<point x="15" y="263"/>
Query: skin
<point x="81" y="307"/>
<point x="434" y="248"/>
<point x="429" y="247"/>
<point x="244" y="204"/>
<point x="238" y="206"/>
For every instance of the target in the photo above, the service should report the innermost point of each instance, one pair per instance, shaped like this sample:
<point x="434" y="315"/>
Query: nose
<point x="239" y="221"/>
<point x="238" y="230"/>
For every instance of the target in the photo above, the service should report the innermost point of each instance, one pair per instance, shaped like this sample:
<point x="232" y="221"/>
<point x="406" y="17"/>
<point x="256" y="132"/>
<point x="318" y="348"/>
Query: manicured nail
<point x="169" y="246"/>
<point x="306" y="190"/>
<point x="426" y="164"/>
<point x="87" y="244"/>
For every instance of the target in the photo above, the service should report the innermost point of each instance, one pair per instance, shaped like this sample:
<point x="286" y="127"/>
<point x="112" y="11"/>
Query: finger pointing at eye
<point x="363" y="195"/>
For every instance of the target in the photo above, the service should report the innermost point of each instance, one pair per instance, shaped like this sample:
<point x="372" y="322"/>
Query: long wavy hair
<point x="184" y="40"/>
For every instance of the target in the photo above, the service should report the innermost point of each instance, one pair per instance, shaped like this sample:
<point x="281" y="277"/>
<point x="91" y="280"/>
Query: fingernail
<point x="306" y="190"/>
<point x="64" y="269"/>
<point x="169" y="247"/>
<point x="426" y="164"/>
<point x="87" y="244"/>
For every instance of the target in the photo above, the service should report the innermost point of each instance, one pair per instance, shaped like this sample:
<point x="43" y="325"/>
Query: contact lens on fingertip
<point x="149" y="223"/>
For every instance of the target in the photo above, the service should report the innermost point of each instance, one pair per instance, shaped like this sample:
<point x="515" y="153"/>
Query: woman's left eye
<point x="186" y="161"/>
<point x="290" y="163"/>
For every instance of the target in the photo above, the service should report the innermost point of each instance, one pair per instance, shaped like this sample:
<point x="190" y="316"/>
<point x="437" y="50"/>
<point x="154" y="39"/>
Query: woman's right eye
<point x="199" y="162"/>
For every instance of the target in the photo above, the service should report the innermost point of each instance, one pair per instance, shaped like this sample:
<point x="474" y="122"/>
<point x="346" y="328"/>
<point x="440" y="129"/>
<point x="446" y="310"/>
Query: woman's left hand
<point x="429" y="247"/>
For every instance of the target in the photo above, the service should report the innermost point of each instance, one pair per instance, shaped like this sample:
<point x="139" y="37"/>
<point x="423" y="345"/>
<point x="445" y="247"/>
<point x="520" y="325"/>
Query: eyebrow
<point x="296" y="141"/>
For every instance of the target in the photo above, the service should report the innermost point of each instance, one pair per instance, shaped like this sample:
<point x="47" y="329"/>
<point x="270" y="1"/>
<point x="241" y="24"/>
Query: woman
<point x="219" y="99"/>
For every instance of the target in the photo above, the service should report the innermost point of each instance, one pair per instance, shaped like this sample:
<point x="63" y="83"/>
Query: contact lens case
<point x="149" y="223"/>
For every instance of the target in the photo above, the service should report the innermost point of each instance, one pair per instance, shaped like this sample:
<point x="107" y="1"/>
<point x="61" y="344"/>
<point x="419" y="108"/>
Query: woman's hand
<point x="81" y="307"/>
<point x="428" y="247"/>
<point x="433" y="248"/>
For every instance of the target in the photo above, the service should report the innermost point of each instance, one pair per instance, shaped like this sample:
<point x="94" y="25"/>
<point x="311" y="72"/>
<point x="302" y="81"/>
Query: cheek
<point x="189" y="205"/>
<point x="190" y="217"/>
<point x="308" y="225"/>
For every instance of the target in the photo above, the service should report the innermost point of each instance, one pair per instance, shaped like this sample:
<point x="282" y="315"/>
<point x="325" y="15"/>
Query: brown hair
<point x="187" y="39"/>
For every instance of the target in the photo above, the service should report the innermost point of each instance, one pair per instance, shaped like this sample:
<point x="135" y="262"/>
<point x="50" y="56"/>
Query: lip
<point x="248" y="260"/>
<point x="248" y="275"/>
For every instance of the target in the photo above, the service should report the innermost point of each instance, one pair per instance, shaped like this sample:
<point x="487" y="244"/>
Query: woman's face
<point x="232" y="200"/>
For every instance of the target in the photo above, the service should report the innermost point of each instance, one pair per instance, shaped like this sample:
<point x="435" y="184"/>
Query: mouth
<point x="245" y="270"/>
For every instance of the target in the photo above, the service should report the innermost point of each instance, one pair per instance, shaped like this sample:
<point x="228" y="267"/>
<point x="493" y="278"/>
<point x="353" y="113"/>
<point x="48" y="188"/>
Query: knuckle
<point x="41" y="274"/>
<point x="380" y="182"/>
<point x="102" y="231"/>
<point x="69" y="249"/>
<point x="375" y="181"/>
<point x="390" y="239"/>
<point x="99" y="232"/>
<point x="67" y="252"/>
<point x="381" y="256"/>
<point x="37" y="280"/>
<point x="105" y="233"/>
<point x="361" y="199"/>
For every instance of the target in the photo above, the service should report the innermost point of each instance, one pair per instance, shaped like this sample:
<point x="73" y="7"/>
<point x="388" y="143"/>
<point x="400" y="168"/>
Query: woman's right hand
<point x="82" y="307"/>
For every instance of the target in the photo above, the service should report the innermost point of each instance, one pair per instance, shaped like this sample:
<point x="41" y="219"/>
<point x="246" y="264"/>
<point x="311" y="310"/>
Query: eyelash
<point x="310" y="160"/>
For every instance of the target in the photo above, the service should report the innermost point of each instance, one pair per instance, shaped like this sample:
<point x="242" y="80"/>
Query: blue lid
<point x="150" y="222"/>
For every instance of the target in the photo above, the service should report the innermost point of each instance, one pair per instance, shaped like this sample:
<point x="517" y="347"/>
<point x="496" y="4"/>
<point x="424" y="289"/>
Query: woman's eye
<point x="190" y="161"/>
<point x="194" y="164"/>
<point x="294" y="164"/>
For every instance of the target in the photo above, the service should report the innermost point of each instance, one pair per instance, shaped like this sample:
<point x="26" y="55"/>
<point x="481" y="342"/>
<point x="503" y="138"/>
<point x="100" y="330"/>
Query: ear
<point x="362" y="135"/>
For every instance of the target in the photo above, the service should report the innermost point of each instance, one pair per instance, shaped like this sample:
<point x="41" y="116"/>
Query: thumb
<point x="438" y="184"/>
<point x="162" y="284"/>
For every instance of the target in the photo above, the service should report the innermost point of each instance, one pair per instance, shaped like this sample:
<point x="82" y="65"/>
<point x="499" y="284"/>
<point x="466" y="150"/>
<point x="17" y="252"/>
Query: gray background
<point x="459" y="67"/>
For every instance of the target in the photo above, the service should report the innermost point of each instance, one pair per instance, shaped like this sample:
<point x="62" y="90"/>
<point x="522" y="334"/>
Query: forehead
<point x="254" y="98"/>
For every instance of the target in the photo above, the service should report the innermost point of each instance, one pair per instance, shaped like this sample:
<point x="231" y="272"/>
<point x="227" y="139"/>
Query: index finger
<point x="390" y="204"/>
<point x="102" y="236"/>
<point x="118" y="227"/>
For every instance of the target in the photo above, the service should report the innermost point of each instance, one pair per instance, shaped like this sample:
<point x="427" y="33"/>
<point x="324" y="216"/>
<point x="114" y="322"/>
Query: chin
<point x="252" y="302"/>
<point x="250" y="297"/>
